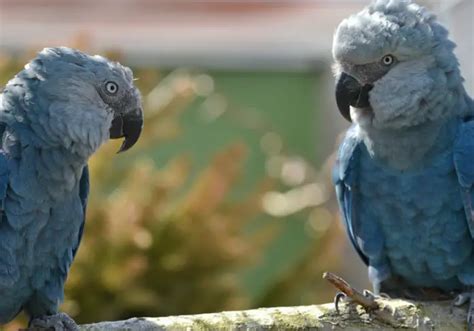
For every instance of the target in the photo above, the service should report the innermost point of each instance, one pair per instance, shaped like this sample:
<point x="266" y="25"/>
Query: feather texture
<point x="53" y="118"/>
<point x="405" y="171"/>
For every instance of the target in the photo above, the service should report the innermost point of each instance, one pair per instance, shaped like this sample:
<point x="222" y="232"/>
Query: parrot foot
<point x="463" y="298"/>
<point x="350" y="294"/>
<point x="341" y="296"/>
<point x="57" y="322"/>
<point x="366" y="299"/>
<point x="368" y="293"/>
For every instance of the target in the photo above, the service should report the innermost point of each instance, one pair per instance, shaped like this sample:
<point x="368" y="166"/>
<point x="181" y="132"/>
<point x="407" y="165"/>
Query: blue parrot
<point x="404" y="175"/>
<point x="54" y="115"/>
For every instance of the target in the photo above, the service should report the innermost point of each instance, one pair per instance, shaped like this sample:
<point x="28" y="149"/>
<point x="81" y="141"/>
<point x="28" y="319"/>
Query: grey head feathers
<point x="70" y="99"/>
<point x="401" y="55"/>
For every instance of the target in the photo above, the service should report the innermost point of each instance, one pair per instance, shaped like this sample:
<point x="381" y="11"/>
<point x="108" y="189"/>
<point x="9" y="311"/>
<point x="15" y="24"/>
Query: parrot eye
<point x="388" y="60"/>
<point x="111" y="88"/>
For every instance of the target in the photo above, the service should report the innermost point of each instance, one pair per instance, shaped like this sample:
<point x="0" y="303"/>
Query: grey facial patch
<point x="368" y="73"/>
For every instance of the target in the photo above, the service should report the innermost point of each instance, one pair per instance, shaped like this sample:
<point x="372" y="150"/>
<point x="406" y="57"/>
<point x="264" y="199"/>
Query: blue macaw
<point x="54" y="115"/>
<point x="404" y="175"/>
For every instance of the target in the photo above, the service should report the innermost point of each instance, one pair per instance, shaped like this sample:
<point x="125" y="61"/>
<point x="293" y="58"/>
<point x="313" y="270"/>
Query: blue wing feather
<point x="83" y="195"/>
<point x="9" y="271"/>
<point x="464" y="163"/>
<point x="344" y="180"/>
<point x="55" y="290"/>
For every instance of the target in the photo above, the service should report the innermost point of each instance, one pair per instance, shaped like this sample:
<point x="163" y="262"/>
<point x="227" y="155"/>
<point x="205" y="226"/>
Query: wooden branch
<point x="405" y="315"/>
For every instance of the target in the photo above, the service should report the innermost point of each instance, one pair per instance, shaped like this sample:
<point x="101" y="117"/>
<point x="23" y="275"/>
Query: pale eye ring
<point x="388" y="60"/>
<point x="111" y="88"/>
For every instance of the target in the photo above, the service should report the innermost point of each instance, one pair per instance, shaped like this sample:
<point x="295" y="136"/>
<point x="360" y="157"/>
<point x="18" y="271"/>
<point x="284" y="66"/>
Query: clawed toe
<point x="337" y="299"/>
<point x="461" y="299"/>
<point x="372" y="295"/>
<point x="369" y="294"/>
<point x="349" y="293"/>
<point x="341" y="296"/>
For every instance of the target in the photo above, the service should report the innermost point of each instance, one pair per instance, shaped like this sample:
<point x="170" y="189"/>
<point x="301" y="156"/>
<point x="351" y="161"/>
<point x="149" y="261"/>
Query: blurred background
<point x="226" y="202"/>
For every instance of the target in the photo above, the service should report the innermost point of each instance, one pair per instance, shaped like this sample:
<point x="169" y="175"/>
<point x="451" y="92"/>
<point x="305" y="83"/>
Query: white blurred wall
<point x="459" y="16"/>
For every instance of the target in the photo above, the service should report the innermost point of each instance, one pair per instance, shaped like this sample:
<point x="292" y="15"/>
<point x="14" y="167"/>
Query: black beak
<point x="350" y="93"/>
<point x="129" y="126"/>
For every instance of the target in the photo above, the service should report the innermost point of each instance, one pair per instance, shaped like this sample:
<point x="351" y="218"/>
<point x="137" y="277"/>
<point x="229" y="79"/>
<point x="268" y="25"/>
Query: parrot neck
<point x="411" y="147"/>
<point x="415" y="146"/>
<point x="64" y="171"/>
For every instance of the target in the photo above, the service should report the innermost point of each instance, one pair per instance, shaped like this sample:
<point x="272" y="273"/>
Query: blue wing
<point x="83" y="195"/>
<point x="9" y="272"/>
<point x="55" y="289"/>
<point x="344" y="178"/>
<point x="464" y="163"/>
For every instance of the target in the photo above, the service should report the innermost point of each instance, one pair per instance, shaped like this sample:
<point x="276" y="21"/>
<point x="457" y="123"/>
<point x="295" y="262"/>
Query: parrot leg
<point x="57" y="322"/>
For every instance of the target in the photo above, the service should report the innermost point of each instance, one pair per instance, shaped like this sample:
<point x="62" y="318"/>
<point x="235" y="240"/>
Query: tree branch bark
<point x="406" y="315"/>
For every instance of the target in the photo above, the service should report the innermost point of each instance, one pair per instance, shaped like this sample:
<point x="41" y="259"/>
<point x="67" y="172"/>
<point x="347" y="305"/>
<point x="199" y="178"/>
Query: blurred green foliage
<point x="219" y="206"/>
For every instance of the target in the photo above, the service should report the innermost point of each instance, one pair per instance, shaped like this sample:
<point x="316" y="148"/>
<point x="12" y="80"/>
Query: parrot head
<point x="91" y="99"/>
<point x="395" y="67"/>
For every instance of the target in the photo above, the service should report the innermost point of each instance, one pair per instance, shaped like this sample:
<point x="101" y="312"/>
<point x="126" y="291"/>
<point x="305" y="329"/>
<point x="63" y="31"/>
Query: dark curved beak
<point x="127" y="125"/>
<point x="349" y="93"/>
